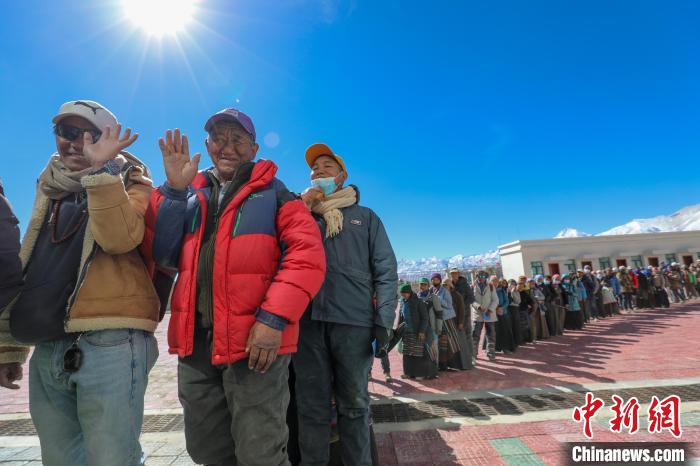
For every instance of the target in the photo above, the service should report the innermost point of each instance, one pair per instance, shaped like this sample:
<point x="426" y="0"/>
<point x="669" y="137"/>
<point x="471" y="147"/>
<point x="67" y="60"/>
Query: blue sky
<point x="465" y="124"/>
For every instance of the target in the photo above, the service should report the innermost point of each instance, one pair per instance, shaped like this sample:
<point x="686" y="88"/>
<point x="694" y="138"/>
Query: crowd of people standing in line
<point x="443" y="321"/>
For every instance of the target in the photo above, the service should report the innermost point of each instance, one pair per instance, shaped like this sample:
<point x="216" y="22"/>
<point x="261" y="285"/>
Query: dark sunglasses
<point x="73" y="357"/>
<point x="71" y="133"/>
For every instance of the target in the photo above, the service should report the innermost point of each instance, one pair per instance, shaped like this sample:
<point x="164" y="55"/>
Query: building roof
<point x="515" y="246"/>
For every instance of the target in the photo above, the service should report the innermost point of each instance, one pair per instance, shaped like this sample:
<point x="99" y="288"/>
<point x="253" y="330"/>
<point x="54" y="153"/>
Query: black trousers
<point x="333" y="360"/>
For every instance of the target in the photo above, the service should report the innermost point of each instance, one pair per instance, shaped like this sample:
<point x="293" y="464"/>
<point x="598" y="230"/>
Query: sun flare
<point x="159" y="17"/>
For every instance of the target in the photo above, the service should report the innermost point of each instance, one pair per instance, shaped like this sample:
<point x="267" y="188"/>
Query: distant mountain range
<point x="685" y="219"/>
<point x="571" y="233"/>
<point x="410" y="268"/>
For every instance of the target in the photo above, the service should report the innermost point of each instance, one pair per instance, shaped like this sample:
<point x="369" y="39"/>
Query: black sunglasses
<point x="73" y="357"/>
<point x="72" y="133"/>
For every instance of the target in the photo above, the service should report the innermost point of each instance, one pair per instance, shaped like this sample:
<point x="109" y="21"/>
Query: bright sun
<point x="159" y="17"/>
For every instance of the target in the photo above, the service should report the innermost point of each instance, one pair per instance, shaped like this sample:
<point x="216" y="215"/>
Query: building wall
<point x="517" y="257"/>
<point x="513" y="265"/>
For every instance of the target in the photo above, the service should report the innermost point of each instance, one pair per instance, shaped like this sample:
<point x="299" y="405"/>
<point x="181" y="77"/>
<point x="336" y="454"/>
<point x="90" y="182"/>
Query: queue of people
<point x="512" y="313"/>
<point x="266" y="283"/>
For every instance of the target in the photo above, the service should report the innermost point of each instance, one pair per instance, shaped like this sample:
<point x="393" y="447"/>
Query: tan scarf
<point x="58" y="181"/>
<point x="330" y="209"/>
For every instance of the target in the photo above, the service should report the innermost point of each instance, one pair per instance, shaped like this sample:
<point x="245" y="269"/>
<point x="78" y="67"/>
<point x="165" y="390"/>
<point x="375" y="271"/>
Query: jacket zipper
<point x="210" y="265"/>
<point x="79" y="283"/>
<point x="238" y="220"/>
<point x="194" y="219"/>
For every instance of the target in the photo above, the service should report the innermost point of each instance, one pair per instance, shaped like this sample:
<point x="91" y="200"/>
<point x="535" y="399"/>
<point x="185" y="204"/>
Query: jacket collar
<point x="263" y="173"/>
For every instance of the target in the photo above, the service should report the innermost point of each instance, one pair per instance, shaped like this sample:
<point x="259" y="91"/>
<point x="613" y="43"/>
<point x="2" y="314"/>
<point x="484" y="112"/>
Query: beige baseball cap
<point x="92" y="111"/>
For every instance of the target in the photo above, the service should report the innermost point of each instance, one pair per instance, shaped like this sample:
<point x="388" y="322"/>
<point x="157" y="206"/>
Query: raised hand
<point x="179" y="168"/>
<point x="107" y="146"/>
<point x="312" y="196"/>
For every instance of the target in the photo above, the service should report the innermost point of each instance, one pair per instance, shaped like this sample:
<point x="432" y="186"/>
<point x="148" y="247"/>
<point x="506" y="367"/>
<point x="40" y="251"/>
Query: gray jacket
<point x="360" y="265"/>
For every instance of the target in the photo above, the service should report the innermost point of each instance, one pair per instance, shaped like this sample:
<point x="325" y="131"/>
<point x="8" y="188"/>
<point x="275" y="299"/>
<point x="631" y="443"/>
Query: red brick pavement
<point x="647" y="345"/>
<point x="650" y="344"/>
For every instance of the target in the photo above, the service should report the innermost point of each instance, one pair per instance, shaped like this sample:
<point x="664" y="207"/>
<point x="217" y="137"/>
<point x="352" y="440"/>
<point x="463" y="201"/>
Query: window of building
<point x="604" y="262"/>
<point x="570" y="265"/>
<point x="537" y="268"/>
<point x="670" y="258"/>
<point x="637" y="262"/>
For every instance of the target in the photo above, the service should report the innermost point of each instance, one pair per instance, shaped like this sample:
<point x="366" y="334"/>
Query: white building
<point x="563" y="255"/>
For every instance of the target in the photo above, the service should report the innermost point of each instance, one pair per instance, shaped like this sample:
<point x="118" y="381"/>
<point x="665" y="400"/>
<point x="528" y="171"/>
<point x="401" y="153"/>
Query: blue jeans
<point x="92" y="416"/>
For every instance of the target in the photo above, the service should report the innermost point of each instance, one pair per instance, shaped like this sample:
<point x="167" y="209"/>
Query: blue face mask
<point x="327" y="185"/>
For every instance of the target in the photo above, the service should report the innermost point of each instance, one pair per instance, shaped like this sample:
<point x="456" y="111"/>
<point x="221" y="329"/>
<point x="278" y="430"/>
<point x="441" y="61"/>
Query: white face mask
<point x="327" y="185"/>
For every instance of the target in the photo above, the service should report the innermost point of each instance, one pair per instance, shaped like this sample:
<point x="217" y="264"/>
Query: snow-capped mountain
<point x="685" y="219"/>
<point x="688" y="218"/>
<point x="411" y="267"/>
<point x="571" y="233"/>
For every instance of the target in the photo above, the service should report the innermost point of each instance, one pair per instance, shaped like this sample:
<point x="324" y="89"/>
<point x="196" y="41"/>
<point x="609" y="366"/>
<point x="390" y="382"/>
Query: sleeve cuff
<point x="172" y="193"/>
<point x="110" y="167"/>
<point x="271" y="320"/>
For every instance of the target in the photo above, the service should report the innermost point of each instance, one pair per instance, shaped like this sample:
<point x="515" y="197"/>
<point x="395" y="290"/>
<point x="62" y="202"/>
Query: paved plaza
<point x="514" y="410"/>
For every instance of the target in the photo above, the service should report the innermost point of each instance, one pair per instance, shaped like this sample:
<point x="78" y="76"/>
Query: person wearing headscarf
<point x="608" y="299"/>
<point x="504" y="328"/>
<point x="688" y="282"/>
<point x="448" y="337"/>
<point x="627" y="286"/>
<point x="573" y="319"/>
<point x="660" y="283"/>
<point x="559" y="302"/>
<point x="526" y="309"/>
<point x="592" y="286"/>
<point x="693" y="279"/>
<point x="582" y="294"/>
<point x="417" y="334"/>
<point x="539" y="316"/>
<point x="462" y="359"/>
<point x="643" y="290"/>
<point x="552" y="306"/>
<point x="514" y="310"/>
<point x="435" y="318"/>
